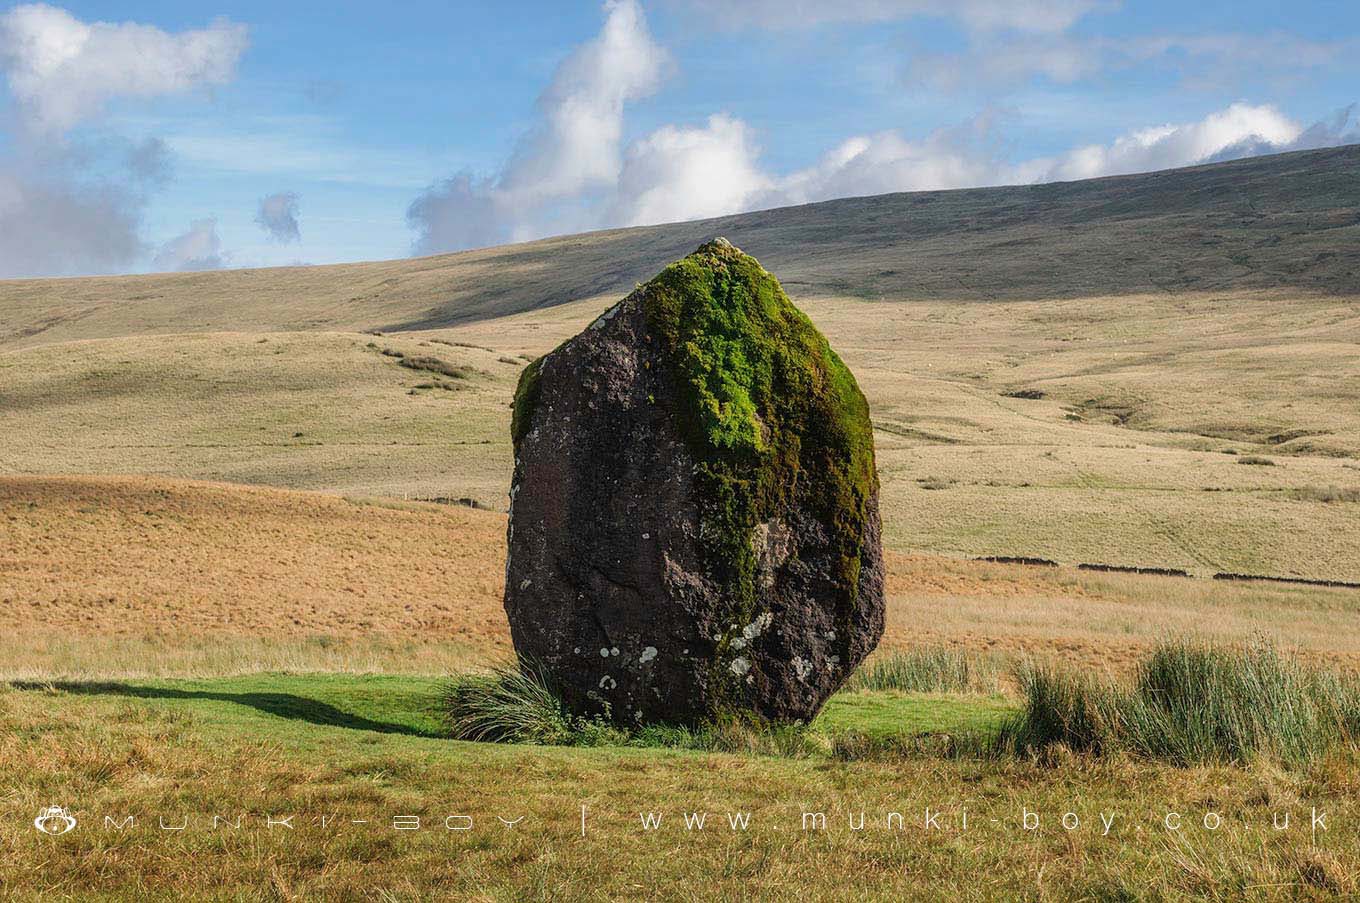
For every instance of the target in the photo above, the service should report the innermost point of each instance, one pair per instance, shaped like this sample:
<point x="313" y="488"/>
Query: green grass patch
<point x="894" y="713"/>
<point x="514" y="705"/>
<point x="273" y="706"/>
<point x="506" y="706"/>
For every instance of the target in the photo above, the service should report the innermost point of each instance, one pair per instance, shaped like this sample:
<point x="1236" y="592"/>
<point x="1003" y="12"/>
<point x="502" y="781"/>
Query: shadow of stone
<point x="282" y="705"/>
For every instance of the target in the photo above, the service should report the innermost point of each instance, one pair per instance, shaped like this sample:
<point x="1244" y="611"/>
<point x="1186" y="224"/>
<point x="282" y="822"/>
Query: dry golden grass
<point x="1130" y="458"/>
<point x="1174" y="324"/>
<point x="126" y="576"/>
<point x="215" y="557"/>
<point x="323" y="410"/>
<point x="1055" y="477"/>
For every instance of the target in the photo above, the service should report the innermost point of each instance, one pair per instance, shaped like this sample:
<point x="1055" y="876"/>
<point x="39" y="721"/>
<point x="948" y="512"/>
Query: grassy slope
<point x="1126" y="461"/>
<point x="320" y="410"/>
<point x="1134" y="304"/>
<point x="1259" y="224"/>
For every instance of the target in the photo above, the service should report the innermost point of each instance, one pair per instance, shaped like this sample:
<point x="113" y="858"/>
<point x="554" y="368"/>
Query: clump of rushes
<point x="517" y="704"/>
<point x="927" y="669"/>
<point x="512" y="704"/>
<point x="773" y="416"/>
<point x="1192" y="704"/>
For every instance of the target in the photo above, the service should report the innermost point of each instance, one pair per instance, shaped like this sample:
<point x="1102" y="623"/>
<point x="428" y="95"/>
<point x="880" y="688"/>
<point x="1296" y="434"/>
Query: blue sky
<point x="142" y="136"/>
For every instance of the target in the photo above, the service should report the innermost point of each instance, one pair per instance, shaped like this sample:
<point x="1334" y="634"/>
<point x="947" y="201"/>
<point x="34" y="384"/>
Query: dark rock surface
<point x="660" y="571"/>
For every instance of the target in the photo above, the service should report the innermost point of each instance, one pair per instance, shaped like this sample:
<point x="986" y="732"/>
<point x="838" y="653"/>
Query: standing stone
<point x="694" y="525"/>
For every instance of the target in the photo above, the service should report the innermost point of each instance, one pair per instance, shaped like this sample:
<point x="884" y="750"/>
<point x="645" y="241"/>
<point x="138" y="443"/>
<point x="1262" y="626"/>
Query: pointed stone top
<point x="718" y="244"/>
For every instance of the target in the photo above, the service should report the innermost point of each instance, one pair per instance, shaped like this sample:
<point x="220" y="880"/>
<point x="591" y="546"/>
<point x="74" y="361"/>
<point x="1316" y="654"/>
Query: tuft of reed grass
<point x="1062" y="707"/>
<point x="512" y="704"/>
<point x="1193" y="704"/>
<point x="517" y="704"/>
<point x="927" y="669"/>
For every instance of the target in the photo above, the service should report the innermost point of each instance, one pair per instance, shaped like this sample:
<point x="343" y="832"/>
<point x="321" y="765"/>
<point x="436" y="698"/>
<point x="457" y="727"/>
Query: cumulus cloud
<point x="967" y="156"/>
<point x="1167" y="146"/>
<point x="1340" y="128"/>
<point x="573" y="173"/>
<point x="278" y="216"/>
<point x="573" y="150"/>
<point x="61" y="70"/>
<point x="70" y="203"/>
<point x="960" y="157"/>
<point x="197" y="249"/>
<point x="54" y="222"/>
<point x="1020" y="15"/>
<point x="679" y="173"/>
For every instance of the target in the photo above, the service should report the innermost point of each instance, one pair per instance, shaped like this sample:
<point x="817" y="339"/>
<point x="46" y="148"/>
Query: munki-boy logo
<point x="57" y="821"/>
<point x="54" y="820"/>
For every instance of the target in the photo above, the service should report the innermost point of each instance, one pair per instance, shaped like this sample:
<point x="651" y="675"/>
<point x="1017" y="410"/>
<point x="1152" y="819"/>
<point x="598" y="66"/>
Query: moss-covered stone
<point x="526" y="397"/>
<point x="773" y="416"/>
<point x="694" y="529"/>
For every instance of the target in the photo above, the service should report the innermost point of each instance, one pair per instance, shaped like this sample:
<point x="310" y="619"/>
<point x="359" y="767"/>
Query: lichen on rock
<point x="695" y="471"/>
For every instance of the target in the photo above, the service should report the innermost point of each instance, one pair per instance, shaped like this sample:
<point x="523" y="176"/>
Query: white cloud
<point x="61" y="70"/>
<point x="573" y="150"/>
<point x="278" y="216"/>
<point x="70" y="205"/>
<point x="1167" y="146"/>
<point x="572" y="173"/>
<point x="965" y="157"/>
<point x="1020" y="15"/>
<point x="679" y="173"/>
<point x="887" y="162"/>
<point x="197" y="249"/>
<point x="53" y="223"/>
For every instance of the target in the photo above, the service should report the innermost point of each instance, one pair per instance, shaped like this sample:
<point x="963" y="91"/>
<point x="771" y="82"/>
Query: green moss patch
<point x="773" y="416"/>
<point x="526" y="398"/>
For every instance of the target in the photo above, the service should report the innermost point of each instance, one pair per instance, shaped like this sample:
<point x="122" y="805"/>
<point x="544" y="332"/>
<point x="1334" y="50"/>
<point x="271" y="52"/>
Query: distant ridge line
<point x="1260" y="225"/>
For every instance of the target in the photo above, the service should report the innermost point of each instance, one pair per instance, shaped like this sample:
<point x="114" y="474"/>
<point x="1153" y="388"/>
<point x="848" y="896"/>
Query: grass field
<point x="1133" y="456"/>
<point x="119" y="576"/>
<point x="1075" y="372"/>
<point x="251" y="522"/>
<point x="361" y="749"/>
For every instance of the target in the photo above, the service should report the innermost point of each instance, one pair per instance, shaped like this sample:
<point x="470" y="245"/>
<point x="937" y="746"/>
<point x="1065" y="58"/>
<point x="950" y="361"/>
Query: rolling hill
<point x="1155" y="370"/>
<point x="1289" y="221"/>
